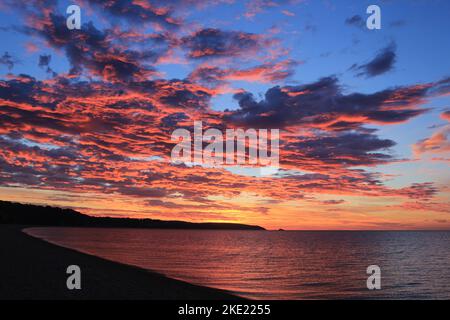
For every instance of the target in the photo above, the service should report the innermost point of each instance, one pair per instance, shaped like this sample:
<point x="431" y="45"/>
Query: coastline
<point x="32" y="268"/>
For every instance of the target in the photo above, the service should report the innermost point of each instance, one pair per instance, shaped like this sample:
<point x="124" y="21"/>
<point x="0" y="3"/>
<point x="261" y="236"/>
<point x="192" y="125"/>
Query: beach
<point x="31" y="268"/>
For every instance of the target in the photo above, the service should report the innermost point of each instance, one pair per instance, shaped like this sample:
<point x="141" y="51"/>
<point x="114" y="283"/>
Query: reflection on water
<point x="278" y="265"/>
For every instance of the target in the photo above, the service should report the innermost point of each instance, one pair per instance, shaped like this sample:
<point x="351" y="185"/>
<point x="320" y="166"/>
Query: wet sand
<point x="31" y="268"/>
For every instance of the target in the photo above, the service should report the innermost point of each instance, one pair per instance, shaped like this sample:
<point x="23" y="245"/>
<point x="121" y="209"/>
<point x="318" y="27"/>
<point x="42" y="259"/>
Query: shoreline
<point x="32" y="268"/>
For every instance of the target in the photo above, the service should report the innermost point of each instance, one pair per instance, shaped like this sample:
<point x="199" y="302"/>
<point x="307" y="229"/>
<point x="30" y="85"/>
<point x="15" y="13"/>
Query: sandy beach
<point x="31" y="268"/>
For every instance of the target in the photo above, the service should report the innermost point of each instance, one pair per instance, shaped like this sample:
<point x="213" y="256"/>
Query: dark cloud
<point x="174" y="119"/>
<point x="142" y="192"/>
<point x="423" y="191"/>
<point x="7" y="60"/>
<point x="44" y="62"/>
<point x="356" y="21"/>
<point x="347" y="148"/>
<point x="323" y="105"/>
<point x="25" y="89"/>
<point x="96" y="51"/>
<point x="210" y="43"/>
<point x="383" y="62"/>
<point x="209" y="75"/>
<point x="138" y="12"/>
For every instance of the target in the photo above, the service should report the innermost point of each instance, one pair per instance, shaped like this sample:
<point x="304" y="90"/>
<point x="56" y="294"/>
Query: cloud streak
<point x="382" y="63"/>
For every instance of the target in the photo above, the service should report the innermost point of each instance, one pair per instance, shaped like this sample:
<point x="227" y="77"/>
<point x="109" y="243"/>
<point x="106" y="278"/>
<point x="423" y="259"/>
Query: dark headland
<point x="31" y="268"/>
<point x="27" y="214"/>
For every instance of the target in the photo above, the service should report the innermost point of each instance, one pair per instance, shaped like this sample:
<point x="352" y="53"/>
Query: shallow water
<point x="279" y="265"/>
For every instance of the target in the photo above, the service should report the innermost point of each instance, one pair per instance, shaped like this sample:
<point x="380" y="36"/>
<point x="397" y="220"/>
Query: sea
<point x="279" y="264"/>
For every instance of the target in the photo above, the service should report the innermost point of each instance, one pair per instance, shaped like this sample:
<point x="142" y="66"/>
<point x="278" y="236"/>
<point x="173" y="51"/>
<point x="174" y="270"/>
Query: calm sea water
<point x="278" y="265"/>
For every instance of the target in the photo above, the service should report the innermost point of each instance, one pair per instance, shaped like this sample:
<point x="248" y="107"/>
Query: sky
<point x="87" y="115"/>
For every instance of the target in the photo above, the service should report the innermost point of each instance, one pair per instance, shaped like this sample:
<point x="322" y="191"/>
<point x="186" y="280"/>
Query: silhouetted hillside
<point x="17" y="213"/>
